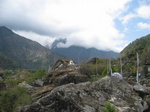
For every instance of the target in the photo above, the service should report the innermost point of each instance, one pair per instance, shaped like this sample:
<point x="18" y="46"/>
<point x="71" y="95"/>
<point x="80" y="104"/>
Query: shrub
<point x="12" y="83"/>
<point x="92" y="69"/>
<point x="39" y="74"/>
<point x="108" y="107"/>
<point x="12" y="99"/>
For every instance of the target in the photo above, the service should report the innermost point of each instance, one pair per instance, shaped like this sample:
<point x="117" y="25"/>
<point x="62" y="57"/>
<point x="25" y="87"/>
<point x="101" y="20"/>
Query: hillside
<point x="140" y="46"/>
<point x="80" y="54"/>
<point x="7" y="63"/>
<point x="27" y="53"/>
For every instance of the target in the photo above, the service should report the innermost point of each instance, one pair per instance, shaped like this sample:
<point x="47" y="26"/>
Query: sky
<point x="103" y="24"/>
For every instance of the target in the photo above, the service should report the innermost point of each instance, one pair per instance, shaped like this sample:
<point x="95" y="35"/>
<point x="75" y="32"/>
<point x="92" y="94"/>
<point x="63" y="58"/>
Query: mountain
<point x="24" y="52"/>
<point x="129" y="54"/>
<point x="80" y="54"/>
<point x="7" y="63"/>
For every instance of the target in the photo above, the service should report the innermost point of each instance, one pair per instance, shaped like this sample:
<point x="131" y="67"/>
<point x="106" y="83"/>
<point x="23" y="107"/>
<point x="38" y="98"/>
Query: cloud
<point x="44" y="40"/>
<point x="143" y="25"/>
<point x="144" y="11"/>
<point x="88" y="23"/>
<point x="128" y="17"/>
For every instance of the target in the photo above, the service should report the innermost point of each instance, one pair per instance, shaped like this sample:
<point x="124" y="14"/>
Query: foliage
<point x="129" y="58"/>
<point x="39" y="74"/>
<point x="93" y="68"/>
<point x="13" y="98"/>
<point x="27" y="53"/>
<point x="94" y="78"/>
<point x="105" y="72"/>
<point x="108" y="107"/>
<point x="11" y="83"/>
<point x="7" y="63"/>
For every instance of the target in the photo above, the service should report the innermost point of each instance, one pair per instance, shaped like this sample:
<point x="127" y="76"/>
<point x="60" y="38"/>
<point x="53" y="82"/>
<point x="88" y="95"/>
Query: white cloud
<point x="128" y="17"/>
<point x="43" y="40"/>
<point x="143" y="25"/>
<point x="144" y="11"/>
<point x="88" y="23"/>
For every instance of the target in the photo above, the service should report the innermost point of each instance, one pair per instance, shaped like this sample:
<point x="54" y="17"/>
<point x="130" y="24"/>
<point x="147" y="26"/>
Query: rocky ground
<point x="66" y="90"/>
<point x="91" y="97"/>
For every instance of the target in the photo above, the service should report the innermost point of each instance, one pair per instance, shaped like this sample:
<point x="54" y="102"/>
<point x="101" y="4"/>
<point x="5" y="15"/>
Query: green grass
<point x="108" y="107"/>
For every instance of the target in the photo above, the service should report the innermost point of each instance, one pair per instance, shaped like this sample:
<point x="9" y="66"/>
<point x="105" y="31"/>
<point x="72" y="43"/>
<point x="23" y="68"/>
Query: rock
<point x="61" y="77"/>
<point x="29" y="87"/>
<point x="90" y="97"/>
<point x="64" y="63"/>
<point x="38" y="83"/>
<point x="1" y="79"/>
<point x="64" y="72"/>
<point x="147" y="99"/>
<point x="141" y="90"/>
<point x="42" y="91"/>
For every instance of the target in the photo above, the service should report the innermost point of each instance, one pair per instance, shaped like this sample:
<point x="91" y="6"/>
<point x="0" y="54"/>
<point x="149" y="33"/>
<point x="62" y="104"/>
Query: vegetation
<point x="93" y="67"/>
<point x="7" y="63"/>
<point x="140" y="46"/>
<point x="108" y="107"/>
<point x="27" y="53"/>
<point x="13" y="98"/>
<point x="39" y="74"/>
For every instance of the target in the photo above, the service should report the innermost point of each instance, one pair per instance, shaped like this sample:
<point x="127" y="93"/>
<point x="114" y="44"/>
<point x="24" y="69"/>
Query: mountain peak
<point x="4" y="31"/>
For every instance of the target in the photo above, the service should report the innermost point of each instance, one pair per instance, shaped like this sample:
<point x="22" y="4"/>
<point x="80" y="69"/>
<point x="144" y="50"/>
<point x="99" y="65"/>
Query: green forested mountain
<point x="140" y="46"/>
<point x="24" y="52"/>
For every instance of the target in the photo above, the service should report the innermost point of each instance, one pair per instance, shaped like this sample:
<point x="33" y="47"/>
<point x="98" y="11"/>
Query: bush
<point x="39" y="74"/>
<point x="92" y="69"/>
<point x="12" y="99"/>
<point x="12" y="83"/>
<point x="108" y="107"/>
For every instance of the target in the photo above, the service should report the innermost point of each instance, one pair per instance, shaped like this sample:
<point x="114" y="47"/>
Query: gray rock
<point x="1" y="79"/>
<point x="61" y="77"/>
<point x="139" y="87"/>
<point x="29" y="87"/>
<point x="90" y="97"/>
<point x="38" y="83"/>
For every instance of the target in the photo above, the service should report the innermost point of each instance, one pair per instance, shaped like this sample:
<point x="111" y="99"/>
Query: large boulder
<point x="90" y="97"/>
<point x="38" y="83"/>
<point x="61" y="77"/>
<point x="29" y="87"/>
<point x="64" y="72"/>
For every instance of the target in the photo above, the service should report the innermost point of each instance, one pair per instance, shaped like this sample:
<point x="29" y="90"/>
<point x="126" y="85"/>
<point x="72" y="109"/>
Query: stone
<point x="61" y="77"/>
<point x="90" y="97"/>
<point x="29" y="87"/>
<point x="38" y="83"/>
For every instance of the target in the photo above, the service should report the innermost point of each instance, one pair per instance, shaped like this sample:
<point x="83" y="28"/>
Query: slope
<point x="140" y="46"/>
<point x="29" y="54"/>
<point x="80" y="54"/>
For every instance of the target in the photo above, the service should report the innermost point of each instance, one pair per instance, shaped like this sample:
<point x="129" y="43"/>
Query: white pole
<point x="110" y="68"/>
<point x="120" y="65"/>
<point x="137" y="77"/>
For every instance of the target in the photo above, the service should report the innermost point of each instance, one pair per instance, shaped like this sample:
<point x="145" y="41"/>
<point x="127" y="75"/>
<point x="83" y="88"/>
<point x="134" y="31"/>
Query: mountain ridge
<point x="28" y="53"/>
<point x="80" y="54"/>
<point x="129" y="55"/>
